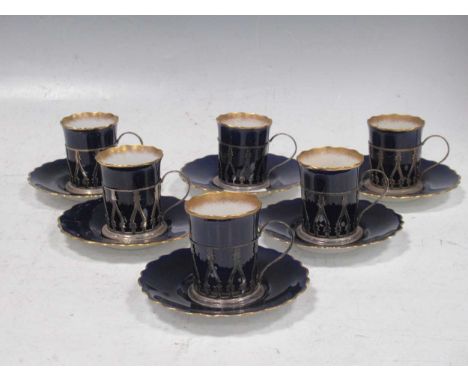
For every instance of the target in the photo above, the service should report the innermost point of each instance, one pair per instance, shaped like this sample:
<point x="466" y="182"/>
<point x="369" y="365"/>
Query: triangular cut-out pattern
<point x="121" y="224"/>
<point x="196" y="272"/>
<point x="343" y="224"/>
<point x="253" y="163"/>
<point x="212" y="282"/>
<point x="328" y="214"/>
<point x="78" y="174"/>
<point x="236" y="278"/>
<point x="400" y="175"/>
<point x="137" y="221"/>
<point x="321" y="225"/>
<point x="237" y="282"/>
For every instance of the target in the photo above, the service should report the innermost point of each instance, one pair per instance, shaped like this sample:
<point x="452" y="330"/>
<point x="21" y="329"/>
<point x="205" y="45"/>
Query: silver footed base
<point x="70" y="187"/>
<point x="231" y="187"/>
<point x="233" y="303"/>
<point x="329" y="241"/>
<point x="136" y="238"/>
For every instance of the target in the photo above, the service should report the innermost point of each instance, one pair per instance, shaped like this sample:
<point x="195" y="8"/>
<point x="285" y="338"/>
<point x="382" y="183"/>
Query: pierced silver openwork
<point x="323" y="230"/>
<point x="401" y="166"/>
<point x="241" y="281"/>
<point x="252" y="176"/>
<point x="138" y="227"/>
<point x="242" y="287"/>
<point x="83" y="182"/>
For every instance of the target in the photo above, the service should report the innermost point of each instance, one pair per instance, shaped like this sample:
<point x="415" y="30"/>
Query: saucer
<point x="437" y="181"/>
<point x="202" y="171"/>
<point x="167" y="281"/>
<point x="52" y="177"/>
<point x="378" y="223"/>
<point x="84" y="221"/>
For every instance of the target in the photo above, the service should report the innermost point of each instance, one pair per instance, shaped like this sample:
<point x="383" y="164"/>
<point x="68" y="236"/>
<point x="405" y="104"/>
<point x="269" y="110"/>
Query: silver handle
<point x="444" y="158"/>
<point x="291" y="232"/>
<point x="387" y="185"/>
<point x="186" y="180"/>
<point x="130" y="133"/>
<point x="288" y="159"/>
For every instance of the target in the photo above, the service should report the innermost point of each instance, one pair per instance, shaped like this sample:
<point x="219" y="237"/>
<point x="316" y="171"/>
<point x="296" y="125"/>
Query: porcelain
<point x="243" y="141"/>
<point x="83" y="141"/>
<point x="439" y="180"/>
<point x="85" y="221"/>
<point x="78" y="176"/>
<point x="330" y="194"/>
<point x="395" y="146"/>
<point x="131" y="183"/>
<point x="224" y="233"/>
<point x="167" y="281"/>
<point x="202" y="171"/>
<point x="52" y="178"/>
<point x="378" y="224"/>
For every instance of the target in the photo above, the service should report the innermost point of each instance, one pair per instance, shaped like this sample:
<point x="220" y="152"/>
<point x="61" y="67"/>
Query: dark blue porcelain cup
<point x="330" y="195"/>
<point x="131" y="184"/>
<point x="224" y="235"/>
<point x="86" y="134"/>
<point x="243" y="150"/>
<point x="395" y="143"/>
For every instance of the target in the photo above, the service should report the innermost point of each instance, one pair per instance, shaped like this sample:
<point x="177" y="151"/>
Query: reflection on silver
<point x="71" y="188"/>
<point x="251" y="171"/>
<point x="321" y="225"/>
<point x="329" y="241"/>
<point x="252" y="160"/>
<point x="402" y="176"/>
<point x="79" y="177"/>
<point x="403" y="179"/>
<point x="233" y="303"/>
<point x="212" y="285"/>
<point x="134" y="238"/>
<point x="111" y="196"/>
<point x="262" y="187"/>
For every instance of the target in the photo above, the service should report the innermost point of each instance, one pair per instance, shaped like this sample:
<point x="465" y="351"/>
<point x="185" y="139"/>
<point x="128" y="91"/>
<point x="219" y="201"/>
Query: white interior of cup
<point x="129" y="158"/>
<point x="86" y="122"/>
<point x="245" y="122"/>
<point x="222" y="205"/>
<point x="218" y="208"/>
<point x="394" y="124"/>
<point x="331" y="158"/>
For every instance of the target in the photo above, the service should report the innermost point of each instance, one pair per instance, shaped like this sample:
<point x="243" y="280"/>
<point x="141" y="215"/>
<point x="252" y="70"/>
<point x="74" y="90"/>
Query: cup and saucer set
<point x="77" y="176"/>
<point x="224" y="271"/>
<point x="395" y="145"/>
<point x="243" y="162"/>
<point x="123" y="182"/>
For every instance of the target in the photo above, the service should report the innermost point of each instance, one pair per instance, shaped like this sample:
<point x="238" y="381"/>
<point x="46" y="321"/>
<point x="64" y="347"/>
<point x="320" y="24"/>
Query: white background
<point x="401" y="302"/>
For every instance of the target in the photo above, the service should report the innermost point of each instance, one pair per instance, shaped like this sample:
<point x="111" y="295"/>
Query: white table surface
<point x="63" y="302"/>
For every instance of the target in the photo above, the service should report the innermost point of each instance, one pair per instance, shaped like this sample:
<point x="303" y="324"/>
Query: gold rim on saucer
<point x="216" y="315"/>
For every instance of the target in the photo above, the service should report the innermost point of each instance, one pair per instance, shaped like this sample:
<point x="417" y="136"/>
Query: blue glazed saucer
<point x="439" y="180"/>
<point x="84" y="221"/>
<point x="167" y="280"/>
<point x="378" y="223"/>
<point x="202" y="171"/>
<point x="52" y="177"/>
